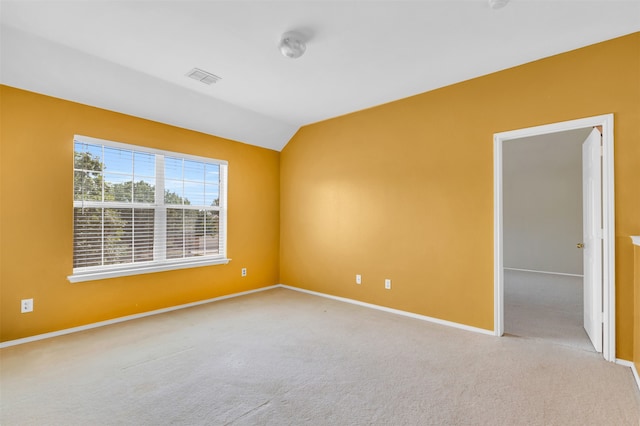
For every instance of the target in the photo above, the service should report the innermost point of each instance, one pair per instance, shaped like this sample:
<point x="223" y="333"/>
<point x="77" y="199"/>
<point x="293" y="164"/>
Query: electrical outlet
<point x="387" y="284"/>
<point x="26" y="305"/>
<point x="358" y="279"/>
<point x="244" y="272"/>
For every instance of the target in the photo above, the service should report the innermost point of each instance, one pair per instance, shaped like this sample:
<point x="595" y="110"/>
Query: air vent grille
<point x="203" y="76"/>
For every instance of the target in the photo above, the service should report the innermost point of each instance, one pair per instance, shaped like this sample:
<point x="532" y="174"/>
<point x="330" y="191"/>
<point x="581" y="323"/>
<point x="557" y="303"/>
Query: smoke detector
<point x="292" y="44"/>
<point x="203" y="76"/>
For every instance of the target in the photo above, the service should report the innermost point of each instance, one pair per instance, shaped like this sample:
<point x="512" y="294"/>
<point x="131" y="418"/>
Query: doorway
<point x="542" y="228"/>
<point x="604" y="290"/>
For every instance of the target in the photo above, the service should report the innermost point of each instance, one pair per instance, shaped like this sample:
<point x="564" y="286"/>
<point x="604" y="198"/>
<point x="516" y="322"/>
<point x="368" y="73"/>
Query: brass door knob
<point x="580" y="245"/>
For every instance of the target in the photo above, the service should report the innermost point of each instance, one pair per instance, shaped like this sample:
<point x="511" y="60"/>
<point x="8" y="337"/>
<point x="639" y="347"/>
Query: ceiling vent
<point x="203" y="76"/>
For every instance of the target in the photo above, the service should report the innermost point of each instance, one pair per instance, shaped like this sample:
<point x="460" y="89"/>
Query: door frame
<point x="608" y="221"/>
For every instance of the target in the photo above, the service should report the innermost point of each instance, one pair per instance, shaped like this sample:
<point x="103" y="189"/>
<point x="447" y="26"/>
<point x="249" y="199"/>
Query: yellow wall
<point x="405" y="190"/>
<point x="36" y="217"/>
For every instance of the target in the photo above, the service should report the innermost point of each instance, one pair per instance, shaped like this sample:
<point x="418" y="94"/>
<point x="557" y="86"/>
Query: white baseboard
<point x="633" y="369"/>
<point x="394" y="311"/>
<point x="543" y="272"/>
<point x="126" y="318"/>
<point x="229" y="296"/>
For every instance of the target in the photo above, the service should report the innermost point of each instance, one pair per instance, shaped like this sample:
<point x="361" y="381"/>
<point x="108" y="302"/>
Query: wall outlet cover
<point x="26" y="305"/>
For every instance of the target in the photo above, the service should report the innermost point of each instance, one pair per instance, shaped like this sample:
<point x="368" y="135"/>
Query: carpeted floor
<point x="282" y="357"/>
<point x="546" y="307"/>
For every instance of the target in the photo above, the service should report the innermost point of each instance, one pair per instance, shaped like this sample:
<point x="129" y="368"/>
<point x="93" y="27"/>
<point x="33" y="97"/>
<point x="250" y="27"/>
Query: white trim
<point x="222" y="202"/>
<point x="393" y="311"/>
<point x="160" y="215"/>
<point x="608" y="219"/>
<point x="544" y="272"/>
<point x="142" y="148"/>
<point x="633" y="368"/>
<point x="635" y="240"/>
<point x="127" y="318"/>
<point x="609" y="241"/>
<point x="624" y="362"/>
<point x="136" y="269"/>
<point x="498" y="260"/>
<point x="160" y="262"/>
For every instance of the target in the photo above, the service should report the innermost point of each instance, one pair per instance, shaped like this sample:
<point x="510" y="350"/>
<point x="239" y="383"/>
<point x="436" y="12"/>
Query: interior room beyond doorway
<point x="543" y="207"/>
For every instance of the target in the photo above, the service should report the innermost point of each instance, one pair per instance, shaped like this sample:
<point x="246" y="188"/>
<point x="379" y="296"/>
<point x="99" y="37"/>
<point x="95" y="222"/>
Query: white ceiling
<point x="132" y="56"/>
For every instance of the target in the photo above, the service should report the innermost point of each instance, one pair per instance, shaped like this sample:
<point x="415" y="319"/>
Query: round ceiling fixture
<point x="497" y="4"/>
<point x="292" y="44"/>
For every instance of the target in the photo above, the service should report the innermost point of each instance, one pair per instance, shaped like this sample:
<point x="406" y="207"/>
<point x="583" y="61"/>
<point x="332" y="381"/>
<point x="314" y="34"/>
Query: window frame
<point x="160" y="262"/>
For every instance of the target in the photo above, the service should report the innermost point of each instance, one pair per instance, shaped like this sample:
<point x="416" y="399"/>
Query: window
<point x="138" y="210"/>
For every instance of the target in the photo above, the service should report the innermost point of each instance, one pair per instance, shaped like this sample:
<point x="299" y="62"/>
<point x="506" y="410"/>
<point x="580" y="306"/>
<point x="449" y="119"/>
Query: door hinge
<point x="602" y="317"/>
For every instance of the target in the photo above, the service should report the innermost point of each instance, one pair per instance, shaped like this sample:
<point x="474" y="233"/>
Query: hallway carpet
<point x="546" y="307"/>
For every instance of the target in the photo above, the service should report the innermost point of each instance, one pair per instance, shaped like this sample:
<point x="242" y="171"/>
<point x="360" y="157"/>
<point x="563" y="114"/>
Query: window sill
<point x="143" y="269"/>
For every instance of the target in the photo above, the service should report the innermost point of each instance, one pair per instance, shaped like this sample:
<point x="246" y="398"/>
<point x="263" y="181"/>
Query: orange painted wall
<point x="36" y="210"/>
<point x="405" y="190"/>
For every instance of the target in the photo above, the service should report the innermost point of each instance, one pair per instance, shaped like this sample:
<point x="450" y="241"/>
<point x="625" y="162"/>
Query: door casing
<point x="608" y="221"/>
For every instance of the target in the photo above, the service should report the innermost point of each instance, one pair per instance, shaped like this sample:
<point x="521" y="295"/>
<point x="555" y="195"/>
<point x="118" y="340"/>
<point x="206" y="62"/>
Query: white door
<point x="592" y="236"/>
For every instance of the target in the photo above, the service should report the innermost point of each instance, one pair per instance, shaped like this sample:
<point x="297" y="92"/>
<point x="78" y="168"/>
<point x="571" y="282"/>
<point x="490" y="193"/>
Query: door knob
<point x="580" y="245"/>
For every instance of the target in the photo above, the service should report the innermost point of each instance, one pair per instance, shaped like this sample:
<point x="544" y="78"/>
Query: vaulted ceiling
<point x="132" y="56"/>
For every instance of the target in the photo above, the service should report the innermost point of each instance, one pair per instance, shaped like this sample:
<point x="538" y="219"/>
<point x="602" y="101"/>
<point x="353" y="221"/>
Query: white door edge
<point x="592" y="283"/>
<point x="608" y="220"/>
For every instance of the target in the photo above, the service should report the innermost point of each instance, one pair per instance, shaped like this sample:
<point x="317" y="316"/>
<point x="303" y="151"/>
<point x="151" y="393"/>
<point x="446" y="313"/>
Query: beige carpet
<point x="546" y="307"/>
<point x="282" y="357"/>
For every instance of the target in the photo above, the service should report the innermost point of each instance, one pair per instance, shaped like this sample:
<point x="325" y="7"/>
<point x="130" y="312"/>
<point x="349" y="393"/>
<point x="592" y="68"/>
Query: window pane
<point x="144" y="191"/>
<point x="194" y="192"/>
<point x="117" y="188"/>
<point x="173" y="168"/>
<point x="87" y="176"/>
<point x="173" y="192"/>
<point x="87" y="237"/>
<point x="211" y="195"/>
<point x="143" y="233"/>
<point x="193" y="231"/>
<point x="175" y="233"/>
<point x="212" y="173"/>
<point x="118" y="160"/>
<point x="87" y="186"/>
<point x="118" y="236"/>
<point x="144" y="165"/>
<point x="201" y="233"/>
<point x="87" y="156"/>
<point x="211" y="236"/>
<point x="193" y="170"/>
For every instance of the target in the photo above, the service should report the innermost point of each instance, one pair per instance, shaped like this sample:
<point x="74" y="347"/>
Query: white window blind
<point x="138" y="210"/>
